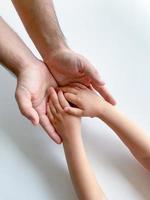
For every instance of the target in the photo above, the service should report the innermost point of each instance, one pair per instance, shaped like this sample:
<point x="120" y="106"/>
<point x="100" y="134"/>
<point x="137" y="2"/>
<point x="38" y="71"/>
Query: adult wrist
<point x="49" y="51"/>
<point x="24" y="64"/>
<point x="16" y="66"/>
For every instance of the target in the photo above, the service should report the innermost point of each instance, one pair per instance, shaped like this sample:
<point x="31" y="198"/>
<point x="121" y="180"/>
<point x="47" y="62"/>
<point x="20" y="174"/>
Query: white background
<point x="115" y="36"/>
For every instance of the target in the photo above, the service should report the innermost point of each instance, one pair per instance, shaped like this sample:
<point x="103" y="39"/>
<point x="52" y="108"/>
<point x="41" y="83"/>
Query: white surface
<point x="115" y="36"/>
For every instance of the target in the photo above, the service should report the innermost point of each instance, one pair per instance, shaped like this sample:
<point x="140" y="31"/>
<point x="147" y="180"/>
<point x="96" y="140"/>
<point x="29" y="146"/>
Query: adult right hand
<point x="33" y="83"/>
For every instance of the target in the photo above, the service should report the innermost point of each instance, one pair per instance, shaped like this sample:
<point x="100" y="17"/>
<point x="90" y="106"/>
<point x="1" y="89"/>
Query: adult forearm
<point x="82" y="177"/>
<point x="41" y="23"/>
<point x="13" y="53"/>
<point x="133" y="136"/>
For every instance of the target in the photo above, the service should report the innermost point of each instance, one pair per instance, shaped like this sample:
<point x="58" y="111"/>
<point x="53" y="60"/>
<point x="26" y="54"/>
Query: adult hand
<point x="69" y="67"/>
<point x="32" y="95"/>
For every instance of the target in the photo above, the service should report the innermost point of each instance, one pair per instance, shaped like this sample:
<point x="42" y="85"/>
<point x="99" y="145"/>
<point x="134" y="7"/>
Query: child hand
<point x="65" y="124"/>
<point x="87" y="101"/>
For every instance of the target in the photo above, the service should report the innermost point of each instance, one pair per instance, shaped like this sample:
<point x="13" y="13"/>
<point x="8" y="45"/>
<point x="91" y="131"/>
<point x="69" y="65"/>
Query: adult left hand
<point x="69" y="67"/>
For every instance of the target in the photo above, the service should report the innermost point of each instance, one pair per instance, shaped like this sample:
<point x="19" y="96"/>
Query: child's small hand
<point x="87" y="101"/>
<point x="65" y="124"/>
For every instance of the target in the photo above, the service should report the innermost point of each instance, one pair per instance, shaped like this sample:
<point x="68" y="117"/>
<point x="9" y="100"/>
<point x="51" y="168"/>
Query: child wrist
<point x="71" y="139"/>
<point x="101" y="110"/>
<point x="69" y="136"/>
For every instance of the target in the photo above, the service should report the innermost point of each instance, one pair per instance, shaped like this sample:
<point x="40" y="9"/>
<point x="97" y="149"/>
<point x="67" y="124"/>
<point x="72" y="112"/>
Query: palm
<point x="32" y="94"/>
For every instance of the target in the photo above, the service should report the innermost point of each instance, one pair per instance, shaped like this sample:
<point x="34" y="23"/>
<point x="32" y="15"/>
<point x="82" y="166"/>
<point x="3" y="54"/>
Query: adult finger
<point x="23" y="98"/>
<point x="47" y="126"/>
<point x="93" y="74"/>
<point x="103" y="91"/>
<point x="98" y="84"/>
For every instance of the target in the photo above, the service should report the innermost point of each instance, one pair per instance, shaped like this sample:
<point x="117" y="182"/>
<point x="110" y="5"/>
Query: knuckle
<point x="81" y="65"/>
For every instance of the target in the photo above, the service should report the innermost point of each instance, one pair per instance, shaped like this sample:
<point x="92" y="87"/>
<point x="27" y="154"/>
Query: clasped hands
<point x="66" y="105"/>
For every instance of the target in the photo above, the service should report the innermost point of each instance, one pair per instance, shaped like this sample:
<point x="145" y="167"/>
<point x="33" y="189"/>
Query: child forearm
<point x="131" y="135"/>
<point x="69" y="128"/>
<point x="82" y="177"/>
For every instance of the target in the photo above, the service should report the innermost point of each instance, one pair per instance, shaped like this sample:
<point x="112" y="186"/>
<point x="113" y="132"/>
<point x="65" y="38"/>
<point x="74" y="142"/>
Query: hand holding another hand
<point x="69" y="67"/>
<point x="86" y="101"/>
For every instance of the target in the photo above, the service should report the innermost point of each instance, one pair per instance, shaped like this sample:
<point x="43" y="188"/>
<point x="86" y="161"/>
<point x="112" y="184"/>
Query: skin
<point x="89" y="103"/>
<point x="65" y="65"/>
<point x="33" y="78"/>
<point x="69" y="128"/>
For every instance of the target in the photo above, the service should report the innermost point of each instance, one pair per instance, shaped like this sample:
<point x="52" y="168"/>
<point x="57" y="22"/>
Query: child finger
<point x="78" y="85"/>
<point x="52" y="108"/>
<point x="74" y="111"/>
<point x="63" y="102"/>
<point x="49" y="113"/>
<point x="54" y="100"/>
<point x="48" y="127"/>
<point x="72" y="99"/>
<point x="69" y="89"/>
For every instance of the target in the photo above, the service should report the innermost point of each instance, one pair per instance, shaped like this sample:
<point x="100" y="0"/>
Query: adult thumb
<point x="93" y="75"/>
<point x="23" y="98"/>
